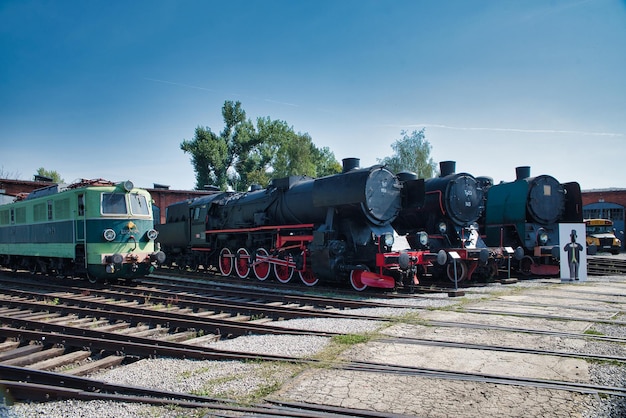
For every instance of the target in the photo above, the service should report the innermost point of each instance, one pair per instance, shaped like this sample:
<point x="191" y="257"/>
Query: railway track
<point x="56" y="326"/>
<point x="50" y="324"/>
<point x="34" y="385"/>
<point x="606" y="266"/>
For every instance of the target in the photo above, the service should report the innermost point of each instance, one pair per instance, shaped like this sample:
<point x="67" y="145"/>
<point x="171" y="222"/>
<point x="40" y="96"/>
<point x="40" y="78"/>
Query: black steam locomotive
<point x="449" y="215"/>
<point x="525" y="215"/>
<point x="332" y="229"/>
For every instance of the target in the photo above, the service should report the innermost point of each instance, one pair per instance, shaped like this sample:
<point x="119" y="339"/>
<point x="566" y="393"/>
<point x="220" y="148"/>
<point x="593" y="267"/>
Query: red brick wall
<point x="15" y="187"/>
<point x="617" y="196"/>
<point x="163" y="198"/>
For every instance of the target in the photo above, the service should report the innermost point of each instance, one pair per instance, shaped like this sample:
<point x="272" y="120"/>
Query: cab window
<point x="138" y="205"/>
<point x="81" y="205"/>
<point x="114" y="204"/>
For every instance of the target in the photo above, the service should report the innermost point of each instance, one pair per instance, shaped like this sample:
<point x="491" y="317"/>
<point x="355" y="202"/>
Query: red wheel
<point x="461" y="271"/>
<point x="283" y="271"/>
<point x="355" y="280"/>
<point x="226" y="262"/>
<point x="261" y="266"/>
<point x="307" y="277"/>
<point x="242" y="263"/>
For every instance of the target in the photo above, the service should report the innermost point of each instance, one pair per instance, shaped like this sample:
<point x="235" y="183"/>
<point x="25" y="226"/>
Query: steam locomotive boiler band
<point x="335" y="230"/>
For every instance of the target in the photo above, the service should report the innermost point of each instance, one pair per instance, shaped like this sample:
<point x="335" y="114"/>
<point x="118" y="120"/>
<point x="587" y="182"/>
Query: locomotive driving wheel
<point x="308" y="277"/>
<point x="261" y="268"/>
<point x="355" y="280"/>
<point x="226" y="262"/>
<point x="283" y="272"/>
<point x="91" y="278"/>
<point x="242" y="263"/>
<point x="461" y="271"/>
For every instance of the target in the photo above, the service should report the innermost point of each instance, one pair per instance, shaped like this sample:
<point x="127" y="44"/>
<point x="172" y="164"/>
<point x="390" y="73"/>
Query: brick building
<point x="163" y="197"/>
<point x="607" y="204"/>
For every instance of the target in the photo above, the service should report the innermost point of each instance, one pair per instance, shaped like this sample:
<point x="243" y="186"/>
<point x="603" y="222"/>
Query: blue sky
<point x="109" y="89"/>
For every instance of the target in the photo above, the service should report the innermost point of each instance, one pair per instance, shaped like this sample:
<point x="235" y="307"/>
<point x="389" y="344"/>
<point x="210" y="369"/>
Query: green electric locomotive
<point x="93" y="228"/>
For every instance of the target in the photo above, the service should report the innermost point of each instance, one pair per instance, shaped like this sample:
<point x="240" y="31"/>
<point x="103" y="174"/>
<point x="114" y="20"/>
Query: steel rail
<point x="450" y="324"/>
<point x="30" y="384"/>
<point x="484" y="377"/>
<point x="501" y="348"/>
<point x="347" y="300"/>
<point x="256" y="309"/>
<point x="171" y="319"/>
<point x="242" y="290"/>
<point x="128" y="344"/>
<point x="540" y="316"/>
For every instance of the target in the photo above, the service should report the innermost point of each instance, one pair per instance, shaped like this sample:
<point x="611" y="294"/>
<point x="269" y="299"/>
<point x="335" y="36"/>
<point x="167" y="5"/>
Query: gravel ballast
<point x="245" y="380"/>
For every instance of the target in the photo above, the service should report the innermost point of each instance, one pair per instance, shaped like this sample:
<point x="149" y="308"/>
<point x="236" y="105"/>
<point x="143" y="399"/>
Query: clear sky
<point x="109" y="89"/>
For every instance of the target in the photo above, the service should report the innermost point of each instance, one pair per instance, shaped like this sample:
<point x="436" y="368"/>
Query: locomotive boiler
<point x="333" y="229"/>
<point x="525" y="214"/>
<point x="453" y="204"/>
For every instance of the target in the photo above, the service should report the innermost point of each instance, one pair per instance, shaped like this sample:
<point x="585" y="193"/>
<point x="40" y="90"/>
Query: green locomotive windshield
<point x="114" y="204"/>
<point x="139" y="204"/>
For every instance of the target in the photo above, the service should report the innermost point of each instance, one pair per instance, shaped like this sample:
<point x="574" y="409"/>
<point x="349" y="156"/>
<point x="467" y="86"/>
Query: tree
<point x="243" y="154"/>
<point x="9" y="175"/>
<point x="56" y="177"/>
<point x="212" y="155"/>
<point x="411" y="153"/>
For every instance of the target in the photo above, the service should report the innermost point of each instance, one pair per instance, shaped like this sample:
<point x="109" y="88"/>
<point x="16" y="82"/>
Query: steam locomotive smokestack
<point x="522" y="172"/>
<point x="446" y="168"/>
<point x="350" y="164"/>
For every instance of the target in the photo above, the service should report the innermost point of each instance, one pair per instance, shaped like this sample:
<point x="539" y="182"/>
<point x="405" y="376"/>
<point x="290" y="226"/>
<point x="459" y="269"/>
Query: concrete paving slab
<point x="474" y="361"/>
<point x="431" y="398"/>
<point x="554" y="310"/>
<point x="566" y="302"/>
<point x="506" y="321"/>
<point x="487" y="337"/>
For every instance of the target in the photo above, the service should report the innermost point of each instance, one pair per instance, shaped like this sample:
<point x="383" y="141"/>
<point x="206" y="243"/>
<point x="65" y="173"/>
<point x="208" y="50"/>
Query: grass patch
<point x="261" y="380"/>
<point x="351" y="339"/>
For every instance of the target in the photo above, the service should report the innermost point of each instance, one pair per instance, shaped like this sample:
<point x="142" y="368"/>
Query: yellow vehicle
<point x="601" y="236"/>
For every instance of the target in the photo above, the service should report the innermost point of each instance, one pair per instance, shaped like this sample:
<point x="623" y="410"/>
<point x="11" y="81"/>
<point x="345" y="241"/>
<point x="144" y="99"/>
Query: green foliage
<point x="56" y="177"/>
<point x="411" y="153"/>
<point x="242" y="154"/>
<point x="351" y="339"/>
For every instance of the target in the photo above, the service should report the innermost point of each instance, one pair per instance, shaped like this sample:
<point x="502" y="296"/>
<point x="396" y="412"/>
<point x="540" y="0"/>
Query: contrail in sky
<point x="215" y="91"/>
<point x="532" y="131"/>
<point x="179" y="84"/>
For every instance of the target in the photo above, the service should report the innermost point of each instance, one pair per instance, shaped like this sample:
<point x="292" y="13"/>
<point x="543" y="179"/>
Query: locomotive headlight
<point x="542" y="236"/>
<point x="388" y="240"/>
<point x="423" y="238"/>
<point x="443" y="228"/>
<point x="152" y="234"/>
<point x="128" y="185"/>
<point x="109" y="234"/>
